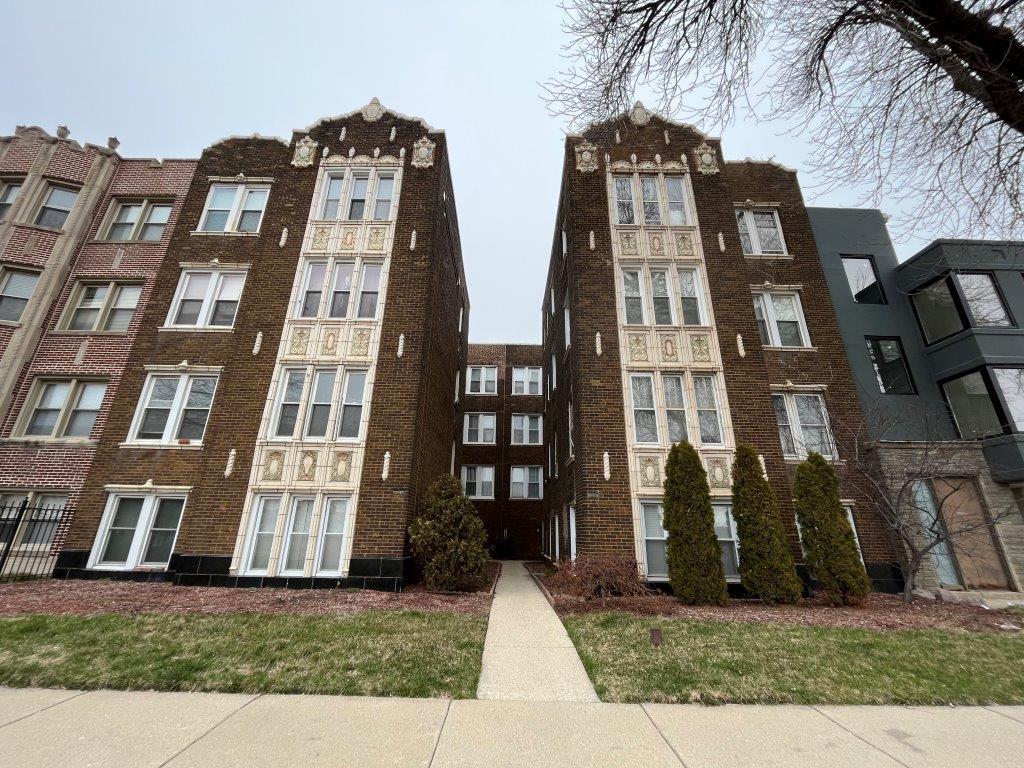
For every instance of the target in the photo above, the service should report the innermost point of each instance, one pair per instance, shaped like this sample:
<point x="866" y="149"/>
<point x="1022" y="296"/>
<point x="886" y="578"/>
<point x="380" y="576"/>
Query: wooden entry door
<point x="971" y="534"/>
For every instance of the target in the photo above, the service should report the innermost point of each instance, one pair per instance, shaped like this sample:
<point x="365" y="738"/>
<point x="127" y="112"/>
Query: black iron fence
<point x="29" y="539"/>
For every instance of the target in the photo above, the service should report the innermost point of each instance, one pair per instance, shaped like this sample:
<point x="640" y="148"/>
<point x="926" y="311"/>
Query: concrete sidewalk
<point x="527" y="654"/>
<point x="51" y="729"/>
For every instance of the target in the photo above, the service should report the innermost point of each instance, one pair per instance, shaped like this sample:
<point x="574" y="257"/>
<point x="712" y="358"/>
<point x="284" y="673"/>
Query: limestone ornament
<point x="707" y="160"/>
<point x="586" y="157"/>
<point x="373" y="111"/>
<point x="361" y="342"/>
<point x="232" y="454"/>
<point x="607" y="467"/>
<point x="386" y="469"/>
<point x="592" y="243"/>
<point x="700" y="349"/>
<point x="684" y="243"/>
<point x="718" y="473"/>
<point x="341" y="467"/>
<point x="284" y="238"/>
<point x="638" y="347"/>
<point x="650" y="473"/>
<point x="375" y="242"/>
<point x="321" y="235"/>
<point x="299" y="341"/>
<point x="273" y="466"/>
<point x="640" y="115"/>
<point x="401" y="344"/>
<point x="307" y="465"/>
<point x="258" y="344"/>
<point x="305" y="152"/>
<point x="423" y="153"/>
<point x="739" y="345"/>
<point x="597" y="343"/>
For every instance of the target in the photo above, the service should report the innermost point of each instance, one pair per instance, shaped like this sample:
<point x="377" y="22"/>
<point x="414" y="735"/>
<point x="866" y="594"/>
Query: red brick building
<point x="684" y="301"/>
<point x="82" y="234"/>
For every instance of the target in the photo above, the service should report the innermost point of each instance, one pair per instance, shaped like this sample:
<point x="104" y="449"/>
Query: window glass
<point x="810" y="411"/>
<point x="863" y="281"/>
<point x="263" y="532"/>
<point x="525" y="483"/>
<point x="315" y="272"/>
<point x="320" y="405"/>
<point x="252" y="210"/>
<point x="890" y="366"/>
<point x="191" y="303"/>
<point x="58" y="205"/>
<point x="937" y="311"/>
<point x="332" y="197"/>
<point x="352" y="405"/>
<point x="126" y="299"/>
<point x="741" y="224"/>
<point x="649" y="191"/>
<point x="52" y="398"/>
<point x="342" y="290"/>
<point x="370" y="290"/>
<point x="768" y="232"/>
<point x="163" y="531"/>
<point x="197" y="407"/>
<point x="645" y="423"/>
<point x="675" y="408"/>
<point x="676" y="201"/>
<point x="16" y="287"/>
<point x="728" y="542"/>
<point x="785" y="429"/>
<point x="972" y="406"/>
<point x="176" y="409"/>
<point x="86" y="408"/>
<point x="155" y="223"/>
<point x="333" y="536"/>
<point x="707" y="410"/>
<point x="983" y="300"/>
<point x="157" y="410"/>
<point x="8" y="194"/>
<point x="225" y="305"/>
<point x="655" y="537"/>
<point x="478" y="482"/>
<point x="762" y="321"/>
<point x="633" y="297"/>
<point x="89" y="306"/>
<point x="122" y="530"/>
<point x="125" y="219"/>
<point x="787" y="320"/>
<point x="624" y="199"/>
<point x="297" y="539"/>
<point x="1011" y="384"/>
<point x="218" y="209"/>
<point x="660" y="297"/>
<point x="382" y="205"/>
<point x="291" y="397"/>
<point x="688" y="295"/>
<point x="357" y="203"/>
<point x="933" y="528"/>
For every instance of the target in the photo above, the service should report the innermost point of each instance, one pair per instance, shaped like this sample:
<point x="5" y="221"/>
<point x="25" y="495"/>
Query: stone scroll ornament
<point x="305" y="152"/>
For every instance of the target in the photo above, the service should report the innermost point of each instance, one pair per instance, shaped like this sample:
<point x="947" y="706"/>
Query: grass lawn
<point x="373" y="653"/>
<point x="757" y="663"/>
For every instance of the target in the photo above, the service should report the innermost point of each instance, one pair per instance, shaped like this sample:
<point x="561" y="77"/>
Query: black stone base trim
<point x="387" y="574"/>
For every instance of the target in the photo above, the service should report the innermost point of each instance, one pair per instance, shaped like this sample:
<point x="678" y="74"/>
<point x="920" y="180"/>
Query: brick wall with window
<point x="514" y="454"/>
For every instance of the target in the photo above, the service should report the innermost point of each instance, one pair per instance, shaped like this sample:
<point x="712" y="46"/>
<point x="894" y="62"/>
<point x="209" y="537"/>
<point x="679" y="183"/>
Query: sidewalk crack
<point x="440" y="730"/>
<point x="210" y="730"/>
<point x="44" y="709"/>
<point x="663" y="736"/>
<point x="860" y="738"/>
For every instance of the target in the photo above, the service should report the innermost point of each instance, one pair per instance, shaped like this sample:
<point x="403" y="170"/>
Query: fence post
<point x="14" y="530"/>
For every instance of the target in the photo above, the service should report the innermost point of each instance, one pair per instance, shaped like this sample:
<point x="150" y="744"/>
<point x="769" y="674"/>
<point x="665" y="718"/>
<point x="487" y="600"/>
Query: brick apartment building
<point x="82" y="234"/>
<point x="292" y="366"/>
<point x="502" y="456"/>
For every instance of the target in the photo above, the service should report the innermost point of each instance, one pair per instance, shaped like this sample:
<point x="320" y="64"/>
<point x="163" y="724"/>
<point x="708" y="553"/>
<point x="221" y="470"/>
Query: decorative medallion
<point x="305" y="152"/>
<point x="638" y="347"/>
<point x="299" y="342"/>
<point x="273" y="466"/>
<point x="657" y="242"/>
<point x="627" y="243"/>
<point x="423" y="153"/>
<point x="375" y="242"/>
<point x="307" y="465"/>
<point x="586" y="157"/>
<point x="320" y="237"/>
<point x="341" y="467"/>
<point x="700" y="349"/>
<point x="669" y="349"/>
<point x="330" y="343"/>
<point x="684" y="243"/>
<point x="707" y="160"/>
<point x="640" y="115"/>
<point x="361" y="342"/>
<point x="348" y="239"/>
<point x="650" y="474"/>
<point x="718" y="472"/>
<point x="373" y="111"/>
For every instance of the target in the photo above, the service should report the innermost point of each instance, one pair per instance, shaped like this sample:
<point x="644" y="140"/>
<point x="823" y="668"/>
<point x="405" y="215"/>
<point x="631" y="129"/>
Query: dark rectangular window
<point x="863" y="279"/>
<point x="938" y="311"/>
<point x="971" y="401"/>
<point x="890" y="365"/>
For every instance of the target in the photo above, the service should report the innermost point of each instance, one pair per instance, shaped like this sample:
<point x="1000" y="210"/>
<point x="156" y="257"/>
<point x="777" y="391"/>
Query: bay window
<point x="971" y="399"/>
<point x="1011" y="385"/>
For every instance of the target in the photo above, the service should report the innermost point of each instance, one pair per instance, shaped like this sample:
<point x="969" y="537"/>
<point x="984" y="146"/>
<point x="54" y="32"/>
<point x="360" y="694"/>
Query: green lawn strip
<point x="771" y="663"/>
<point x="374" y="653"/>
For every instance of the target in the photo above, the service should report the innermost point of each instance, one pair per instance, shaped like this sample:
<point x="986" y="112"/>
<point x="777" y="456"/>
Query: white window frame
<point x="67" y="408"/>
<point x="481" y="428"/>
<point x="524" y="374"/>
<point x="294" y="499"/>
<point x="796" y="428"/>
<point x="479" y="481"/>
<point x="7" y="269"/>
<point x="177" y="409"/>
<point x="143" y="529"/>
<point x="633" y="408"/>
<point x="114" y="289"/>
<point x="755" y="240"/>
<point x="45" y="198"/>
<point x="5" y="186"/>
<point x="572" y="444"/>
<point x="734" y="540"/>
<point x="698" y="287"/>
<point x="213" y="291"/>
<point x="146" y="207"/>
<point x="526" y="417"/>
<point x="767" y="304"/>
<point x="525" y="471"/>
<point x="37" y="511"/>
<point x="373" y="176"/>
<point x="670" y="289"/>
<point x="639" y="271"/>
<point x="235" y="212"/>
<point x="664" y="202"/>
<point x="486" y="376"/>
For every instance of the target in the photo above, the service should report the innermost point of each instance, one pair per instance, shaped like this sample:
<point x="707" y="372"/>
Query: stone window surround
<point x="243" y="187"/>
<point x="147" y="202"/>
<point x="113" y="286"/>
<point x="29" y="406"/>
<point x="342" y="372"/>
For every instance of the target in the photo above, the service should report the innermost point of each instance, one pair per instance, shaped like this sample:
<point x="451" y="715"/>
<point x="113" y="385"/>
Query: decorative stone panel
<point x="656" y="243"/>
<point x="649" y="472"/>
<point x="299" y="341"/>
<point x="423" y="153"/>
<point x="700" y="349"/>
<point x="586" y="157"/>
<point x="341" y="466"/>
<point x="638" y="348"/>
<point x="718" y="472"/>
<point x="668" y="346"/>
<point x="273" y="466"/>
<point x="684" y="244"/>
<point x="375" y="240"/>
<point x="628" y="244"/>
<point x="305" y="152"/>
<point x="306" y="468"/>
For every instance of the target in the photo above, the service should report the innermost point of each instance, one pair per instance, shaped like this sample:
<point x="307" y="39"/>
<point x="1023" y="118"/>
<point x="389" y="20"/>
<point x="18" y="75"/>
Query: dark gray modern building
<point x="936" y="345"/>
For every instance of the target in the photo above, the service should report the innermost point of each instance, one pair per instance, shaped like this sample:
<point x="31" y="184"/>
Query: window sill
<point x="201" y="233"/>
<point x="23" y="440"/>
<point x="795" y="460"/>
<point x="769" y="256"/>
<point x="41" y="228"/>
<point x="105" y="241"/>
<point x="480" y="498"/>
<point x="69" y="332"/>
<point x="10" y="323"/>
<point x="193" y="329"/>
<point x="162" y="446"/>
<point x="775" y="348"/>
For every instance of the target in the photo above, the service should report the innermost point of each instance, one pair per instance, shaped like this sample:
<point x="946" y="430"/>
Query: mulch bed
<point x="84" y="598"/>
<point x="877" y="612"/>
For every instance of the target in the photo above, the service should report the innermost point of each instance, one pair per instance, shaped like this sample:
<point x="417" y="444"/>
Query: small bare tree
<point x="920" y="101"/>
<point x="921" y="488"/>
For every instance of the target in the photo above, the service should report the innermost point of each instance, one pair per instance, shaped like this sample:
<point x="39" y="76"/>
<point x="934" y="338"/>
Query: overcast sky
<point x="168" y="79"/>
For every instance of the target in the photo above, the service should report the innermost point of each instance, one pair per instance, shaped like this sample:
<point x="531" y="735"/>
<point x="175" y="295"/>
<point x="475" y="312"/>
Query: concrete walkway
<point x="527" y="654"/>
<point x="70" y="729"/>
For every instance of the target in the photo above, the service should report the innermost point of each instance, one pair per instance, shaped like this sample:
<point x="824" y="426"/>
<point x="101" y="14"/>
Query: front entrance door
<point x="971" y="534"/>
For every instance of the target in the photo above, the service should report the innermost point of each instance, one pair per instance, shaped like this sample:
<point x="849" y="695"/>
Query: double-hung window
<point x="890" y="365"/>
<point x="526" y="429"/>
<point x="357" y="195"/>
<point x="311" y="395"/>
<point x="676" y="201"/>
<point x="633" y="296"/>
<point x="802" y="419"/>
<point x="351" y="419"/>
<point x="234" y="208"/>
<point x="369" y="291"/>
<point x="675" y="407"/>
<point x="526" y="483"/>
<point x="138" y="220"/>
<point x="478" y="481"/>
<point x="624" y="206"/>
<point x="658" y="195"/>
<point x="479" y="429"/>
<point x="690" y="297"/>
<point x="335" y="279"/>
<point x="293" y="381"/>
<point x="661" y="297"/>
<point x="780" y="319"/>
<point x="321" y="398"/>
<point x="9" y="191"/>
<point x="106" y="307"/>
<point x="312" y="536"/>
<point x="709" y="422"/>
<point x="43" y="516"/>
<point x="56" y="207"/>
<point x="482" y="380"/>
<point x="63" y="408"/>
<point x="649" y="195"/>
<point x="16" y="288"/>
<point x="656" y="539"/>
<point x="206" y="299"/>
<point x="760" y="232"/>
<point x="728" y="540"/>
<point x="173" y="409"/>
<point x="137" y="531"/>
<point x="526" y="380"/>
<point x="645" y="418"/>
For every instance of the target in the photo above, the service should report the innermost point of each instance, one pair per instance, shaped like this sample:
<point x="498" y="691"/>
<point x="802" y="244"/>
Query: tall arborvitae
<point x="830" y="551"/>
<point x="694" y="557"/>
<point x="766" y="565"/>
